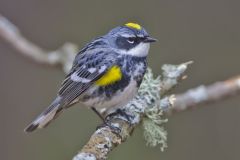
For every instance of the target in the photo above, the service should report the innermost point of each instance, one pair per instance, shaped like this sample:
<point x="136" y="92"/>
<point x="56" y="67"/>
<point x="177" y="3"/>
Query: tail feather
<point x="46" y="116"/>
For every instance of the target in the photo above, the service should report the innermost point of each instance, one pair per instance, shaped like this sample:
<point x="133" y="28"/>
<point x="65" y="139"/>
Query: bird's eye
<point x="131" y="40"/>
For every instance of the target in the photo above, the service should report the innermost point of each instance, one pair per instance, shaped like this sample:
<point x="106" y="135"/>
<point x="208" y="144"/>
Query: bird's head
<point x="131" y="39"/>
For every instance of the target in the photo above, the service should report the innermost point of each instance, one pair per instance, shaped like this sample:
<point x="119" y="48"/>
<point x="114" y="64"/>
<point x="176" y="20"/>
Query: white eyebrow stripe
<point x="127" y="35"/>
<point x="76" y="78"/>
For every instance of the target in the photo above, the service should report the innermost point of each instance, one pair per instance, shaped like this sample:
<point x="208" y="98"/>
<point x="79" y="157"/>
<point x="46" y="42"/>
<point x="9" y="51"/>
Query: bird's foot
<point x="120" y="112"/>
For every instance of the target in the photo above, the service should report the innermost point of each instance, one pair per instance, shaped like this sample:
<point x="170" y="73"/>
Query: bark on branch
<point x="206" y="94"/>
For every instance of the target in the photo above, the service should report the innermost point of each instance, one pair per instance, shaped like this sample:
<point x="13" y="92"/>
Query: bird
<point x="106" y="73"/>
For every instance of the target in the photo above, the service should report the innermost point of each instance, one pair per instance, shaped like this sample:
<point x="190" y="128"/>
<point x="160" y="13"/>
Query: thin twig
<point x="63" y="56"/>
<point x="206" y="94"/>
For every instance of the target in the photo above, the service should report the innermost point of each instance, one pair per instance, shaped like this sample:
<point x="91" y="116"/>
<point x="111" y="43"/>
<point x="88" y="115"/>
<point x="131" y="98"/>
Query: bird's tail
<point x="46" y="116"/>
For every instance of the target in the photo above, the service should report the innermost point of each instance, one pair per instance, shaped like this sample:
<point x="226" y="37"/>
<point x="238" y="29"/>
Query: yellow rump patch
<point x="114" y="74"/>
<point x="133" y="25"/>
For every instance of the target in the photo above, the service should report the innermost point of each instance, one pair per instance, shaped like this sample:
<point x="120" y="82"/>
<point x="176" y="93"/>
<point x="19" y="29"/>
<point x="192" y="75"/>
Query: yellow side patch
<point x="133" y="25"/>
<point x="114" y="74"/>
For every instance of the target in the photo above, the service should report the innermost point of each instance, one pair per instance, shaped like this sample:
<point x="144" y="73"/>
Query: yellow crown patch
<point x="133" y="25"/>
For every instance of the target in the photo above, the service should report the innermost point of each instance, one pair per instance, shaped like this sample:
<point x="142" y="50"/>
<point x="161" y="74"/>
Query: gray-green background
<point x="206" y="31"/>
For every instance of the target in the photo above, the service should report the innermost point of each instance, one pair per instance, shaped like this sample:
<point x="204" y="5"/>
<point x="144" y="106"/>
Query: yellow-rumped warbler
<point x="106" y="73"/>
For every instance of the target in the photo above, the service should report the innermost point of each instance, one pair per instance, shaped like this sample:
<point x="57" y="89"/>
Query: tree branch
<point x="206" y="94"/>
<point x="63" y="56"/>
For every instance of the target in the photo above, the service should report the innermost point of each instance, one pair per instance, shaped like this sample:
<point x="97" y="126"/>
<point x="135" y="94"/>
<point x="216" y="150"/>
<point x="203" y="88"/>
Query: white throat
<point x="141" y="50"/>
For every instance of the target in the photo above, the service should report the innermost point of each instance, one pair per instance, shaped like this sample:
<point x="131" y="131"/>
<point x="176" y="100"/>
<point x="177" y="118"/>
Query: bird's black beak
<point x="149" y="40"/>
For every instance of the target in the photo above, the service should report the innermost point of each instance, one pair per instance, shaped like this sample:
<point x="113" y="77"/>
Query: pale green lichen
<point x="149" y="103"/>
<point x="154" y="132"/>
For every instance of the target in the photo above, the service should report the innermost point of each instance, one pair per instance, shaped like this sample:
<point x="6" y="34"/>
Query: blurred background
<point x="206" y="31"/>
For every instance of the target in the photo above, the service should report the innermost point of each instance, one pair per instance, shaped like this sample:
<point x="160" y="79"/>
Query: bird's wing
<point x="88" y="67"/>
